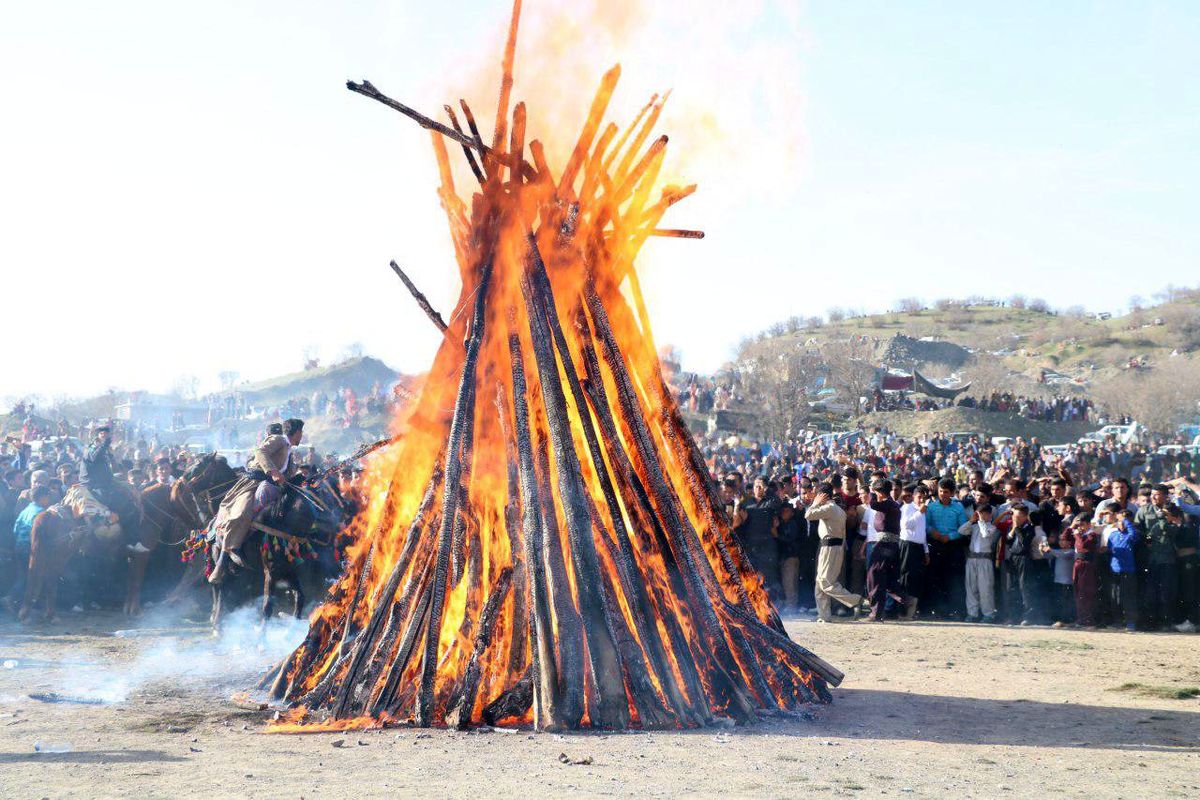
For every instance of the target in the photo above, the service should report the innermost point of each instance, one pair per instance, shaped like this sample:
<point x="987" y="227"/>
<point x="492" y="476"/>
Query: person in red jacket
<point x="1086" y="573"/>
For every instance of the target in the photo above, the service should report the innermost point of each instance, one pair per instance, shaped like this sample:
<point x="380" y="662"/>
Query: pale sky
<point x="188" y="187"/>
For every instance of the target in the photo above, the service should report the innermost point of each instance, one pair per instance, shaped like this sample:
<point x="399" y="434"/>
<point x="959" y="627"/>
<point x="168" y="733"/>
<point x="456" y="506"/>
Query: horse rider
<point x="267" y="471"/>
<point x="96" y="473"/>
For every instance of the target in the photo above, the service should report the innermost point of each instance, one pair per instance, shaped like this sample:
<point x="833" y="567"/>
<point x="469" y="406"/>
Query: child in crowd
<point x="1061" y="552"/>
<point x="1085" y="572"/>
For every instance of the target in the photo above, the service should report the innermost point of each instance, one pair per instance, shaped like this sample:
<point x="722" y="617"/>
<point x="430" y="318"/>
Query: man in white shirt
<point x="981" y="557"/>
<point x="914" y="546"/>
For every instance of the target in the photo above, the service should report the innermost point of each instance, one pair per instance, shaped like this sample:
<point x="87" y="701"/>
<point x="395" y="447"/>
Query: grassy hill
<point x="1145" y="363"/>
<point x="1028" y="339"/>
<point x="987" y="424"/>
<point x="360" y="374"/>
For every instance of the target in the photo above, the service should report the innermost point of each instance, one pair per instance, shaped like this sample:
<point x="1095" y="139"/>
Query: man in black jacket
<point x="1018" y="580"/>
<point x="96" y="473"/>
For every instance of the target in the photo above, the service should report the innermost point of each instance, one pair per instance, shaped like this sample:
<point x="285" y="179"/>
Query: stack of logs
<point x="547" y="547"/>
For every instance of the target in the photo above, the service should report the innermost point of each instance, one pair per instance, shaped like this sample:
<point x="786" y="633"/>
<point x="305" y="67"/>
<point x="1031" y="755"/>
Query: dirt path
<point x="927" y="710"/>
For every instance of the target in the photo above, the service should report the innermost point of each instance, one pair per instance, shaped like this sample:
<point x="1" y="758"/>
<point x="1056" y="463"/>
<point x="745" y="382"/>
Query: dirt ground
<point x="927" y="710"/>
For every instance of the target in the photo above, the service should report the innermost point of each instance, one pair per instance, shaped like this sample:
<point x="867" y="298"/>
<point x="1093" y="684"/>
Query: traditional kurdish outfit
<point x="832" y="532"/>
<point x="253" y="492"/>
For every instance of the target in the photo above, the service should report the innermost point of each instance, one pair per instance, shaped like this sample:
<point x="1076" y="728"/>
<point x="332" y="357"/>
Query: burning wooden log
<point x="557" y="558"/>
<point x="419" y="296"/>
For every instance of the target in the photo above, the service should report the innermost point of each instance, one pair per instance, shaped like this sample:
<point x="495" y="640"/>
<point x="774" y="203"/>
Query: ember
<point x="544" y="546"/>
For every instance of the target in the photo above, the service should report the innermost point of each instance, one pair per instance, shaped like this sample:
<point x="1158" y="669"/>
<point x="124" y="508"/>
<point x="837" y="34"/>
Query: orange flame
<point x="546" y="516"/>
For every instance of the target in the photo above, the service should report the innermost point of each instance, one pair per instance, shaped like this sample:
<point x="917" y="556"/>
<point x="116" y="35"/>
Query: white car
<point x="1174" y="449"/>
<point x="1123" y="434"/>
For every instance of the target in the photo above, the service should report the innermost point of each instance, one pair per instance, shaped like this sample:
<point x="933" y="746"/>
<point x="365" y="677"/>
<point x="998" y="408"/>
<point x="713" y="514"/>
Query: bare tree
<point x="1039" y="305"/>
<point x="909" y="305"/>
<point x="1017" y="301"/>
<point x="1183" y="323"/>
<point x="850" y="368"/>
<point x="987" y="374"/>
<point x="1160" y="398"/>
<point x="774" y="376"/>
<point x="836" y="314"/>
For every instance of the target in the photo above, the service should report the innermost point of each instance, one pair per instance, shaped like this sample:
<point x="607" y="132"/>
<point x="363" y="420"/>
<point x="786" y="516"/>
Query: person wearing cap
<point x="267" y="472"/>
<point x="96" y="472"/>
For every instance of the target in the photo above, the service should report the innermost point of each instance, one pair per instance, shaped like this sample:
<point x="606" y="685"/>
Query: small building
<point x="165" y="412"/>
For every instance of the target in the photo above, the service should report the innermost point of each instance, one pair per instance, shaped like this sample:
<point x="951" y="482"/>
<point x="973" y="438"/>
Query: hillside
<point x="987" y="424"/>
<point x="1029" y="339"/>
<point x="1145" y="364"/>
<point x="360" y="374"/>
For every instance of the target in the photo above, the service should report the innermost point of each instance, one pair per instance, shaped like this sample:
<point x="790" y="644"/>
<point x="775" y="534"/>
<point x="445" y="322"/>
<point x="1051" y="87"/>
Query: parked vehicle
<point x="1175" y="449"/>
<point x="1051" y="450"/>
<point x="1123" y="434"/>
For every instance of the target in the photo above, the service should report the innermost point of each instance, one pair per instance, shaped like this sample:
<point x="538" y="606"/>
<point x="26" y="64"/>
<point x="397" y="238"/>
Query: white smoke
<point x="186" y="657"/>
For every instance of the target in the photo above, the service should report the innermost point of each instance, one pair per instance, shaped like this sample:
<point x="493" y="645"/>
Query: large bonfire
<point x="545" y="546"/>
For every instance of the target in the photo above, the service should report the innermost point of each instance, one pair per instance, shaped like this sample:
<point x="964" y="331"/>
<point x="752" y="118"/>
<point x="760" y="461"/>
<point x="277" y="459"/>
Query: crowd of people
<point x="874" y="526"/>
<point x="37" y="474"/>
<point x="1059" y="408"/>
<point x="342" y="407"/>
<point x="864" y="524"/>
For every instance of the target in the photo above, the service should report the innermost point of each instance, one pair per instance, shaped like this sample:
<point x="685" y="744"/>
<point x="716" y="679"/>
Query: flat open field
<point x="927" y="710"/>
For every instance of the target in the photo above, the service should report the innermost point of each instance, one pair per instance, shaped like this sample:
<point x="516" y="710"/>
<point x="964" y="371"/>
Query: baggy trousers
<point x="981" y="587"/>
<point x="829" y="582"/>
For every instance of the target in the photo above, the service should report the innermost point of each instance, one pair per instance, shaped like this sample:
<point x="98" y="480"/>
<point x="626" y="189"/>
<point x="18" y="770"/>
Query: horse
<point x="287" y="546"/>
<point x="83" y="525"/>
<point x="165" y="516"/>
<point x="194" y="501"/>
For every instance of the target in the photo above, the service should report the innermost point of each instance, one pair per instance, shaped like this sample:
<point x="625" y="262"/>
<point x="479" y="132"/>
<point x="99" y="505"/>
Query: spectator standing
<point x="947" y="556"/>
<point x="914" y="546"/>
<point x="1123" y="541"/>
<point x="1062" y="558"/>
<point x="1159" y="526"/>
<point x="979" y="575"/>
<point x="1188" y="562"/>
<point x="1018" y="587"/>
<point x="40" y="498"/>
<point x="1085" y="574"/>
<point x="756" y="522"/>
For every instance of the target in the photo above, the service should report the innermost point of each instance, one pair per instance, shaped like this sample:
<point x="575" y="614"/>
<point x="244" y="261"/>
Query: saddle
<point x="86" y="507"/>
